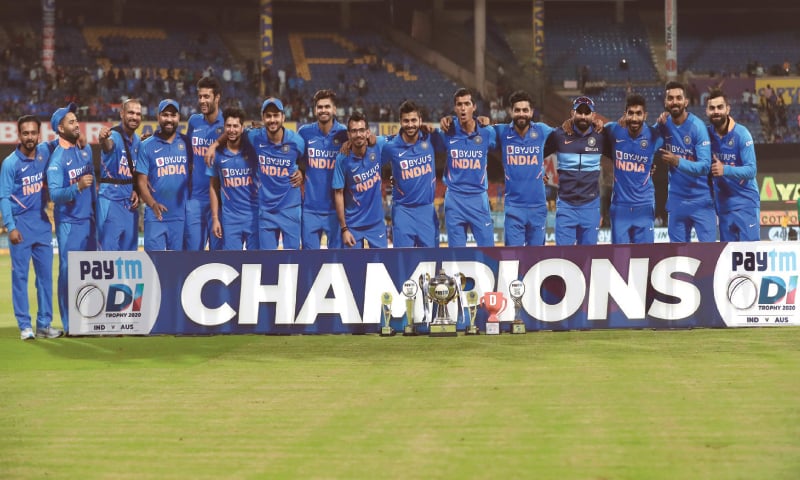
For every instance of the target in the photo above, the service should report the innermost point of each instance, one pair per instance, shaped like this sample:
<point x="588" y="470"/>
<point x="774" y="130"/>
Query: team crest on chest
<point x="285" y="148"/>
<point x="372" y="156"/>
<point x="730" y="142"/>
<point x="534" y="134"/>
<point x="478" y="139"/>
<point x="643" y="144"/>
<point x="592" y="141"/>
<point x="84" y="154"/>
<point x="181" y="147"/>
<point x="424" y="145"/>
<point x="219" y="130"/>
<point x="687" y="139"/>
<point x="336" y="141"/>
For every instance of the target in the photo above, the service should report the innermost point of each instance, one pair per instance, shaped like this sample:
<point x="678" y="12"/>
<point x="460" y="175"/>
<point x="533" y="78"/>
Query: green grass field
<point x="699" y="404"/>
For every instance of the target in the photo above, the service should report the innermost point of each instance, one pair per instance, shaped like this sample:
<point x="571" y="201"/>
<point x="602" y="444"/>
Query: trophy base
<point x="387" y="332"/>
<point x="443" y="330"/>
<point x="472" y="330"/>
<point x="492" y="328"/>
<point x="518" y="328"/>
<point x="409" y="331"/>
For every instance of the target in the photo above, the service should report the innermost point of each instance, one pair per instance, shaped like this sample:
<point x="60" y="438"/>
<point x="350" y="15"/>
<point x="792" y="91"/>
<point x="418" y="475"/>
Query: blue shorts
<point x="72" y="237"/>
<point x="315" y="224"/>
<point x="415" y="226"/>
<point x="198" y="226"/>
<point x="577" y="224"/>
<point x="468" y="210"/>
<point x="702" y="217"/>
<point x="525" y="226"/>
<point x="163" y="235"/>
<point x="740" y="225"/>
<point x="273" y="225"/>
<point x="375" y="236"/>
<point x="239" y="233"/>
<point x="632" y="224"/>
<point x="36" y="244"/>
<point x="117" y="225"/>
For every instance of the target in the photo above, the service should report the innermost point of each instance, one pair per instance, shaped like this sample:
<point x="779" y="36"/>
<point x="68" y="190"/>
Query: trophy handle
<point x="503" y="308"/>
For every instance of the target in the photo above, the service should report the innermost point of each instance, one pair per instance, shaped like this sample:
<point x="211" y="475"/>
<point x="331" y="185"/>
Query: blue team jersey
<point x="413" y="170"/>
<point x="236" y="174"/>
<point x="22" y="189"/>
<point x="689" y="140"/>
<point x="467" y="156"/>
<point x="67" y="164"/>
<point x="115" y="165"/>
<point x="361" y="180"/>
<point x="737" y="188"/>
<point x="166" y="166"/>
<point x="523" y="162"/>
<point x="276" y="164"/>
<point x="202" y="134"/>
<point x="578" y="157"/>
<point x="633" y="163"/>
<point x="319" y="159"/>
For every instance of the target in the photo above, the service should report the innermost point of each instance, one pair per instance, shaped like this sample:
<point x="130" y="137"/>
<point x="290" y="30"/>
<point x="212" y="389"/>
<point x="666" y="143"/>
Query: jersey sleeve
<point x="747" y="153"/>
<point x="338" y="174"/>
<point x="59" y="192"/>
<point x="6" y="190"/>
<point x="702" y="152"/>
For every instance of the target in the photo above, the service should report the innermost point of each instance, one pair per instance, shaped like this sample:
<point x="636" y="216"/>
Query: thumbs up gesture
<point x="717" y="168"/>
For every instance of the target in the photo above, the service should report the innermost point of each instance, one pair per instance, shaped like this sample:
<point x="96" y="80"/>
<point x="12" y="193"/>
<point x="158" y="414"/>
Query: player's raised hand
<point x="568" y="127"/>
<point x="445" y="123"/>
<point x="669" y="158"/>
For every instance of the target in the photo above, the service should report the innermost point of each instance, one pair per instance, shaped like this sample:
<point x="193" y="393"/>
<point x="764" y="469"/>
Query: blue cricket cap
<point x="59" y="115"/>
<point x="272" y="101"/>
<point x="168" y="102"/>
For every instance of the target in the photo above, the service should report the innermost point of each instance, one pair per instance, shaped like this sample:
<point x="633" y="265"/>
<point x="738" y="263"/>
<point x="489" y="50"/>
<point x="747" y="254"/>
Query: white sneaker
<point x="26" y="334"/>
<point x="48" y="332"/>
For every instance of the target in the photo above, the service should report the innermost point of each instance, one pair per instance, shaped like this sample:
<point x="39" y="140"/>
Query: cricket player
<point x="70" y="182"/>
<point x="23" y="198"/>
<point x="165" y="164"/>
<point x="733" y="169"/>
<point x="358" y="188"/>
<point x="117" y="200"/>
<point x="632" y="148"/>
<point x="233" y="183"/>
<point x="687" y="151"/>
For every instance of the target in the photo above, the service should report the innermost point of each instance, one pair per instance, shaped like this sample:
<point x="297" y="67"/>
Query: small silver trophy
<point x="410" y="292"/>
<point x="517" y="290"/>
<point x="386" y="303"/>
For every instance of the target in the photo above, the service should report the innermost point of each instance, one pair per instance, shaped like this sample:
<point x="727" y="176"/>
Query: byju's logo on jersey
<point x="113" y="293"/>
<point x="756" y="283"/>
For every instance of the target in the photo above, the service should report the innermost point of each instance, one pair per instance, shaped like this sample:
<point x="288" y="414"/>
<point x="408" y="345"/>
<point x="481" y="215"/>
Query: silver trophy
<point x="410" y="292"/>
<point x="441" y="290"/>
<point x="516" y="289"/>
<point x="386" y="307"/>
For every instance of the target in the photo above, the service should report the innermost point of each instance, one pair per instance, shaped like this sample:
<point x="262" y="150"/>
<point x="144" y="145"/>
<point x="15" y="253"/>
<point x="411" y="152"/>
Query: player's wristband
<point x="344" y="229"/>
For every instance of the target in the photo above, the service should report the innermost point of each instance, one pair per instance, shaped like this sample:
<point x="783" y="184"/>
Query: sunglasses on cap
<point x="583" y="101"/>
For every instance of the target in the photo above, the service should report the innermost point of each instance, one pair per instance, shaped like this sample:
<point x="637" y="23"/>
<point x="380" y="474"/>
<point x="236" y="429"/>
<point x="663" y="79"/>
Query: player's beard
<point x="718" y="120"/>
<point x="132" y="124"/>
<point x="521" y="123"/>
<point x="167" y="128"/>
<point x="676" y="110"/>
<point x="410" y="132"/>
<point x="29" y="145"/>
<point x="582" y="124"/>
<point x="72" y="135"/>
